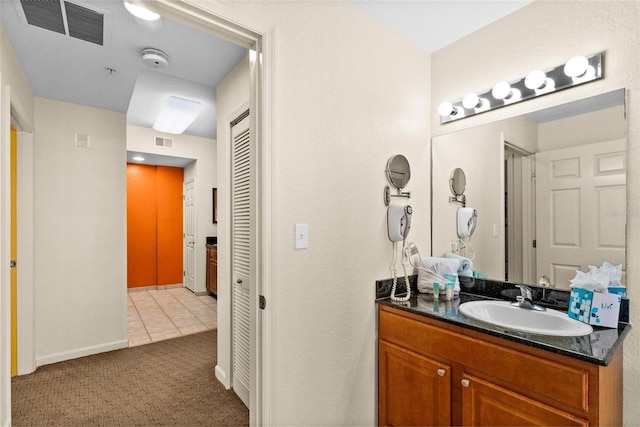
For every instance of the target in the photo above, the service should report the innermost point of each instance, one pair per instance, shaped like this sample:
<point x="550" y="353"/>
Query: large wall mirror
<point x="549" y="188"/>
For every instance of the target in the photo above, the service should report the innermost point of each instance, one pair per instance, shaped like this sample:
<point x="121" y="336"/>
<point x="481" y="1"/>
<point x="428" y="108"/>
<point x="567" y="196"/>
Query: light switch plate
<point x="302" y="236"/>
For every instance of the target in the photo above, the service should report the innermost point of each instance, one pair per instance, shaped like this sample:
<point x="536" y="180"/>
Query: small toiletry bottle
<point x="448" y="291"/>
<point x="436" y="290"/>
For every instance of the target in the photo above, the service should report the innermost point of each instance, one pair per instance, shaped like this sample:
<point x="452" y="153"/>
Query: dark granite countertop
<point x="597" y="348"/>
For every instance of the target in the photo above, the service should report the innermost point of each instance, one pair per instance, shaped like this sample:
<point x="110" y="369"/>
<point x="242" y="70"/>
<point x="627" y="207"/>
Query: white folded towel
<point x="466" y="265"/>
<point x="433" y="270"/>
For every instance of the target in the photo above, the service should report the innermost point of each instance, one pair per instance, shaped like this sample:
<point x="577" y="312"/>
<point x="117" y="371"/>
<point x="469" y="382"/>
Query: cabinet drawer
<point x="525" y="373"/>
<point x="486" y="404"/>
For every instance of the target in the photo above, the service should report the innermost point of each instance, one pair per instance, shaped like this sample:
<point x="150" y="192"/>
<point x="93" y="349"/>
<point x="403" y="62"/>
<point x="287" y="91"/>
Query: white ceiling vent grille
<point x="164" y="142"/>
<point x="65" y="18"/>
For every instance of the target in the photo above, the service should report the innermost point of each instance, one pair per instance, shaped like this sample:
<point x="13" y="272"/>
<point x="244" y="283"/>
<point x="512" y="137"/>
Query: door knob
<point x="239" y="281"/>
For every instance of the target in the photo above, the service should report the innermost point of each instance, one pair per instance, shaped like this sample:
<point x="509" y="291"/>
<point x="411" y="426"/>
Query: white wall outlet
<point x="302" y="236"/>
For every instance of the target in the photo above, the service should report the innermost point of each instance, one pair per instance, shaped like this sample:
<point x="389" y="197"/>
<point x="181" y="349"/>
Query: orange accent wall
<point x="142" y="260"/>
<point x="154" y="225"/>
<point x="170" y="210"/>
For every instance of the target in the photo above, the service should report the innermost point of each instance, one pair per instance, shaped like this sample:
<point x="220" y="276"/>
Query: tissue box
<point x="619" y="290"/>
<point x="594" y="308"/>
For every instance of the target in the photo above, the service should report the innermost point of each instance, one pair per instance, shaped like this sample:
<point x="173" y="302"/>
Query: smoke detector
<point x="155" y="58"/>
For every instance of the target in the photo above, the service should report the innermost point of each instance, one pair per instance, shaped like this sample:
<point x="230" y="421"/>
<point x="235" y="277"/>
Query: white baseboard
<point x="222" y="377"/>
<point x="81" y="352"/>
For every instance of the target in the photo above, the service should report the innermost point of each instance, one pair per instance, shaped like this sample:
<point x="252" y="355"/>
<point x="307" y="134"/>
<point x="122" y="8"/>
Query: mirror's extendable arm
<point x="459" y="199"/>
<point x="388" y="195"/>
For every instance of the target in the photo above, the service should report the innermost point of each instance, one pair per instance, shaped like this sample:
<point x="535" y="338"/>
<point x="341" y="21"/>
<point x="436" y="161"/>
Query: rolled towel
<point x="466" y="265"/>
<point x="433" y="270"/>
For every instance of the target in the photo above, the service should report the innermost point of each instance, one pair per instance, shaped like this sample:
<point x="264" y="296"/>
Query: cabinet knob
<point x="465" y="383"/>
<point x="441" y="372"/>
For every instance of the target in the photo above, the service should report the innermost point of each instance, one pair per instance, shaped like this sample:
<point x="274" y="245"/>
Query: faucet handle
<point x="525" y="291"/>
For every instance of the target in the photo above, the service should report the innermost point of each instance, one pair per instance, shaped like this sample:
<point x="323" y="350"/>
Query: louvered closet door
<point x="242" y="218"/>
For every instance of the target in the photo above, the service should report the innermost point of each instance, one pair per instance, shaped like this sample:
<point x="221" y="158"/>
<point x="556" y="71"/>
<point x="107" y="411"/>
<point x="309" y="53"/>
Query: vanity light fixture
<point x="504" y="91"/>
<point x="448" y="109"/>
<point x="576" y="66"/>
<point x="138" y="159"/>
<point x="536" y="79"/>
<point x="471" y="101"/>
<point x="576" y="71"/>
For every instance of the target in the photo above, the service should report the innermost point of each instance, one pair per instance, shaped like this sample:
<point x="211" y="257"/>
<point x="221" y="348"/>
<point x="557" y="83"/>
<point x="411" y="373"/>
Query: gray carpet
<point x="169" y="383"/>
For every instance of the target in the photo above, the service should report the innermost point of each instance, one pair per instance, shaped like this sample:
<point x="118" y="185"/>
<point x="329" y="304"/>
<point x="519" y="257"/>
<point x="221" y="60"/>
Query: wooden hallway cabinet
<point x="212" y="269"/>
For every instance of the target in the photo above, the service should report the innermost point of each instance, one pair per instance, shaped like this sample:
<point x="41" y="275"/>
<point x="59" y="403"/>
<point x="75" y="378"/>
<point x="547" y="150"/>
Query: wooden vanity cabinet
<point x="435" y="373"/>
<point x="212" y="270"/>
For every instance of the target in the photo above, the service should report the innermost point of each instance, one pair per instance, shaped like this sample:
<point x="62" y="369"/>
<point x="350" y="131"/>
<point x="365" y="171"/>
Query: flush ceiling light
<point x="177" y="115"/>
<point x="576" y="71"/>
<point x="137" y="9"/>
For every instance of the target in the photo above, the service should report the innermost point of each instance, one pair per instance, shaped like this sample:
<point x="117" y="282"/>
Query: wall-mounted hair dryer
<point x="399" y="221"/>
<point x="467" y="221"/>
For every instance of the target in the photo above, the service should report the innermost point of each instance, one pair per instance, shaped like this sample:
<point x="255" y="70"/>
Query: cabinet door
<point x="487" y="404"/>
<point x="412" y="389"/>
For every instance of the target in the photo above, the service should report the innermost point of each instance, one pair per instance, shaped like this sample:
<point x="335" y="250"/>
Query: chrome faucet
<point x="524" y="300"/>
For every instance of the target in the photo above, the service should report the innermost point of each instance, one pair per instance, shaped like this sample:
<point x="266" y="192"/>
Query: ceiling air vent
<point x="84" y="24"/>
<point x="164" y="142"/>
<point x="45" y="14"/>
<point x="65" y="18"/>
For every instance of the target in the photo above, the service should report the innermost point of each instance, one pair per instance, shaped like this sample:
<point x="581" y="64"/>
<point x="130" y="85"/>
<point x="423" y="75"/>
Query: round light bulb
<point x="535" y="79"/>
<point x="141" y="12"/>
<point x="576" y="66"/>
<point x="501" y="90"/>
<point x="446" y="109"/>
<point x="471" y="101"/>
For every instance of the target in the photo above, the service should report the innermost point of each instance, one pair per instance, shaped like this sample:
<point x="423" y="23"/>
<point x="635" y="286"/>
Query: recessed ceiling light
<point x="136" y="9"/>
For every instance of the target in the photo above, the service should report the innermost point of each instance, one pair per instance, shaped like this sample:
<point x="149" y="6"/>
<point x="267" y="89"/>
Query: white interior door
<point x="243" y="217"/>
<point x="581" y="209"/>
<point x="189" y="274"/>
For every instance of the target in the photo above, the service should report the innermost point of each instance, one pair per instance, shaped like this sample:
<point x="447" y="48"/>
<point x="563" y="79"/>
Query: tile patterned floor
<point x="157" y="315"/>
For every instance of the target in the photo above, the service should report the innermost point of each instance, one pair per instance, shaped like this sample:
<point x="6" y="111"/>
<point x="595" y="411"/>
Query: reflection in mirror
<point x="398" y="171"/>
<point x="457" y="182"/>
<point x="550" y="187"/>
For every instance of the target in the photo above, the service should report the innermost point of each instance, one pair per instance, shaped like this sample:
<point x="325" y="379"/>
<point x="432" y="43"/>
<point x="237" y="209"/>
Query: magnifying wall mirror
<point x="398" y="171"/>
<point x="457" y="182"/>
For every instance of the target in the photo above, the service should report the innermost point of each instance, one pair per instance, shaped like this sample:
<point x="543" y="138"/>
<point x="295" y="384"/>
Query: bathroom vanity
<point x="437" y="367"/>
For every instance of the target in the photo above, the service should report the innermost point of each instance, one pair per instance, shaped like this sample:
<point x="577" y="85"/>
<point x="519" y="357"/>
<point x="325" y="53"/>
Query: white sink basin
<point x="502" y="313"/>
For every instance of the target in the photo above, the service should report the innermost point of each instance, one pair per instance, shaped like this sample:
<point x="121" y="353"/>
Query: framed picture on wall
<point x="215" y="205"/>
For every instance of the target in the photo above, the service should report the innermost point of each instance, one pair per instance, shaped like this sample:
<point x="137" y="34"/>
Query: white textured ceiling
<point x="66" y="69"/>
<point x="433" y="24"/>
<point x="71" y="70"/>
